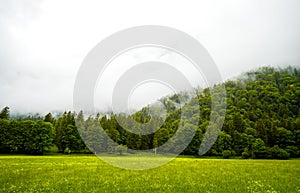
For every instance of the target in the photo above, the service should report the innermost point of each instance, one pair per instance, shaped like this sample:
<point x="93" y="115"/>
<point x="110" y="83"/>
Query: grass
<point x="72" y="173"/>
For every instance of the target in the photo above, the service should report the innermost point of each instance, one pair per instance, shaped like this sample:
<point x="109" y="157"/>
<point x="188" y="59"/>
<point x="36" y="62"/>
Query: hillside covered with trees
<point x="262" y="121"/>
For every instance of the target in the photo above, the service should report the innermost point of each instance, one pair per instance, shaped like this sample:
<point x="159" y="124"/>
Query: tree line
<point x="262" y="120"/>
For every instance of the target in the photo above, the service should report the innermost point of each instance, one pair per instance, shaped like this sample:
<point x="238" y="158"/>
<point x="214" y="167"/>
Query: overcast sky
<point x="43" y="43"/>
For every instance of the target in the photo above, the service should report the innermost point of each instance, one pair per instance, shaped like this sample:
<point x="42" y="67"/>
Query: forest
<point x="262" y="120"/>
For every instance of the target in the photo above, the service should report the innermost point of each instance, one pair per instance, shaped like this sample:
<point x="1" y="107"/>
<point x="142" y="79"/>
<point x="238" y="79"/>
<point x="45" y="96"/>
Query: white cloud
<point x="43" y="45"/>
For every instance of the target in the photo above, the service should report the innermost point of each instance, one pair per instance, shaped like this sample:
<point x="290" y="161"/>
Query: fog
<point x="43" y="43"/>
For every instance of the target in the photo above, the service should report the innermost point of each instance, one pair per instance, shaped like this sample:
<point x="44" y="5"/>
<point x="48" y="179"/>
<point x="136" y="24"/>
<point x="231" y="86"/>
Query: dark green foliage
<point x="293" y="151"/>
<point x="67" y="135"/>
<point x="226" y="154"/>
<point x="4" y="114"/>
<point x="25" y="136"/>
<point x="259" y="149"/>
<point x="245" y="155"/>
<point x="121" y="149"/>
<point x="278" y="153"/>
<point x="262" y="120"/>
<point x="49" y="118"/>
<point x="262" y="114"/>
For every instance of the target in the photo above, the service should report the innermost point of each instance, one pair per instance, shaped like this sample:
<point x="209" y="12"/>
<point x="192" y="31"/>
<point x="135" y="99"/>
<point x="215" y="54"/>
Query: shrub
<point x="67" y="151"/>
<point x="245" y="155"/>
<point x="282" y="154"/>
<point x="121" y="149"/>
<point x="213" y="152"/>
<point x="293" y="151"/>
<point x="279" y="153"/>
<point x="226" y="154"/>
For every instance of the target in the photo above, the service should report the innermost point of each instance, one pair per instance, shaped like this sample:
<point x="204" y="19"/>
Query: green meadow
<point x="87" y="173"/>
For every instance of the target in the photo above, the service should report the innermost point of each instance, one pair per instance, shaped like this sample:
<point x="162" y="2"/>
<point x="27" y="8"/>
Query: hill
<point x="262" y="120"/>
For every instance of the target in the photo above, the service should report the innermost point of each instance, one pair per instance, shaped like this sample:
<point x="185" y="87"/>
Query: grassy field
<point x="71" y="173"/>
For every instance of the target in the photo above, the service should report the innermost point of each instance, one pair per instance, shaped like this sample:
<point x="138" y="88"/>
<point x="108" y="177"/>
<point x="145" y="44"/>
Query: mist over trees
<point x="262" y="121"/>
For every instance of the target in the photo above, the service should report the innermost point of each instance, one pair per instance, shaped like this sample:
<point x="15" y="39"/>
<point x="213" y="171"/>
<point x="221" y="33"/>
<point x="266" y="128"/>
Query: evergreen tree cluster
<point x="262" y="120"/>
